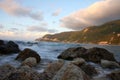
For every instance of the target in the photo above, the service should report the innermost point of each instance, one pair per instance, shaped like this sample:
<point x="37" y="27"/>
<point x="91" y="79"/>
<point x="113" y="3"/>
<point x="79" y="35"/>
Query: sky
<point x="31" y="19"/>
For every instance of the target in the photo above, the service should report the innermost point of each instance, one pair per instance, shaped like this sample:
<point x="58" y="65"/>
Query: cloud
<point x="13" y="29"/>
<point x="1" y="26"/>
<point x="13" y="8"/>
<point x="41" y="28"/>
<point x="96" y="14"/>
<point x="57" y="12"/>
<point x="10" y="35"/>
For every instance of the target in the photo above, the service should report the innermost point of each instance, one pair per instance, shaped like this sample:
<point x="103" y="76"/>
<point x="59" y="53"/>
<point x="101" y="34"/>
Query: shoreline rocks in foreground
<point x="78" y="68"/>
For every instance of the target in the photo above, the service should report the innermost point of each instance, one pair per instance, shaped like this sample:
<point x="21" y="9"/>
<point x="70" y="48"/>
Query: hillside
<point x="108" y="33"/>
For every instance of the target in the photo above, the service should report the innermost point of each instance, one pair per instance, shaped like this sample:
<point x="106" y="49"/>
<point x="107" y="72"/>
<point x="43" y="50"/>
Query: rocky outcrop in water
<point x="22" y="73"/>
<point x="72" y="53"/>
<point x="31" y="61"/>
<point x="26" y="53"/>
<point x="89" y="69"/>
<point x="51" y="70"/>
<point x="93" y="54"/>
<point x="109" y="64"/>
<point x="96" y="54"/>
<point x="6" y="70"/>
<point x="70" y="72"/>
<point x="8" y="47"/>
<point x="115" y="75"/>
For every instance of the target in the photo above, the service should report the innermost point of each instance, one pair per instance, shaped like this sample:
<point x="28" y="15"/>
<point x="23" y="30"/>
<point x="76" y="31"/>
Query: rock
<point x="31" y="61"/>
<point x="6" y="70"/>
<point x="96" y="54"/>
<point x="23" y="73"/>
<point x="26" y="53"/>
<point x="101" y="78"/>
<point x="115" y="75"/>
<point x="1" y="42"/>
<point x="71" y="53"/>
<point x="109" y="64"/>
<point x="89" y="69"/>
<point x="78" y="61"/>
<point x="51" y="70"/>
<point x="9" y="47"/>
<point x="70" y="72"/>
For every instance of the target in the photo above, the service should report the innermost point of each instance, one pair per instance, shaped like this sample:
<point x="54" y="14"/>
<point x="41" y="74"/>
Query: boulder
<point x="78" y="61"/>
<point x="109" y="64"/>
<point x="71" y="53"/>
<point x="23" y="73"/>
<point x="51" y="70"/>
<point x="96" y="54"/>
<point x="6" y="70"/>
<point x="26" y="53"/>
<point x="101" y="78"/>
<point x="89" y="69"/>
<point x="70" y="72"/>
<point x="115" y="75"/>
<point x="1" y="42"/>
<point x="31" y="61"/>
<point x="9" y="47"/>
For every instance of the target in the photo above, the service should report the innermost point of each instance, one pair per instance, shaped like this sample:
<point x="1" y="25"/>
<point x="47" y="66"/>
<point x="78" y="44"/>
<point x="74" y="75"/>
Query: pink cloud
<point x="96" y="14"/>
<point x="13" y="8"/>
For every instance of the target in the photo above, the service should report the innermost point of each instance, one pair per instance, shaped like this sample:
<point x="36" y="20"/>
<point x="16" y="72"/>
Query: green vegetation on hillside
<point x="108" y="33"/>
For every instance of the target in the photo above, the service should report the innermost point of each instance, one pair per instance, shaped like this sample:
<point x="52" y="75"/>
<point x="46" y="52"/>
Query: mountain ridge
<point x="107" y="33"/>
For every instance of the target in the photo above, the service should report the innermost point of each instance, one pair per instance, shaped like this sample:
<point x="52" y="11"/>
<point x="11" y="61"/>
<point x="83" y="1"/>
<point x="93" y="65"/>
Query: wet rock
<point x="26" y="53"/>
<point x="70" y="72"/>
<point x="115" y="75"/>
<point x="6" y="70"/>
<point x="1" y="42"/>
<point x="31" y="61"/>
<point x="9" y="47"/>
<point x="51" y="70"/>
<point x="89" y="69"/>
<point x="78" y="61"/>
<point x="109" y="64"/>
<point x="23" y="73"/>
<point x="101" y="78"/>
<point x="71" y="53"/>
<point x="96" y="54"/>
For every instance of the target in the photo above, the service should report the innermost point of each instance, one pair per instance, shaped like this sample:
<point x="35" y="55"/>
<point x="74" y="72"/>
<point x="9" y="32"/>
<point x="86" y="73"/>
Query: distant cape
<point x="108" y="33"/>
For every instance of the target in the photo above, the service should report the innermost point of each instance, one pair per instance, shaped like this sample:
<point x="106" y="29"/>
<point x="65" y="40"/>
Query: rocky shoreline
<point x="73" y="64"/>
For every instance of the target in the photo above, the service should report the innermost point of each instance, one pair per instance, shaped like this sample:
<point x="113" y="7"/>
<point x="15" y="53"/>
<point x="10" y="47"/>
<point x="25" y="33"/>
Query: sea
<point x="50" y="50"/>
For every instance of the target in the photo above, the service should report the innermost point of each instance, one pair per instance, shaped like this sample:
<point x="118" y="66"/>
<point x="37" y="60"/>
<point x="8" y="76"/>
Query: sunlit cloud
<point x="1" y="26"/>
<point x="57" y="12"/>
<point x="13" y="8"/>
<point x="13" y="29"/>
<point x="40" y="29"/>
<point x="96" y="14"/>
<point x="12" y="35"/>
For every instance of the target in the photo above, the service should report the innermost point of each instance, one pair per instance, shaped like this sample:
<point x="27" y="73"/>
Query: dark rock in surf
<point x="71" y="53"/>
<point x="26" y="53"/>
<point x="89" y="69"/>
<point x="70" y="72"/>
<point x="51" y="70"/>
<point x="109" y="64"/>
<point x="6" y="70"/>
<point x="1" y="42"/>
<point x="93" y="54"/>
<point x="22" y="73"/>
<point x="115" y="75"/>
<point x="9" y="47"/>
<point x="31" y="61"/>
<point x="96" y="54"/>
